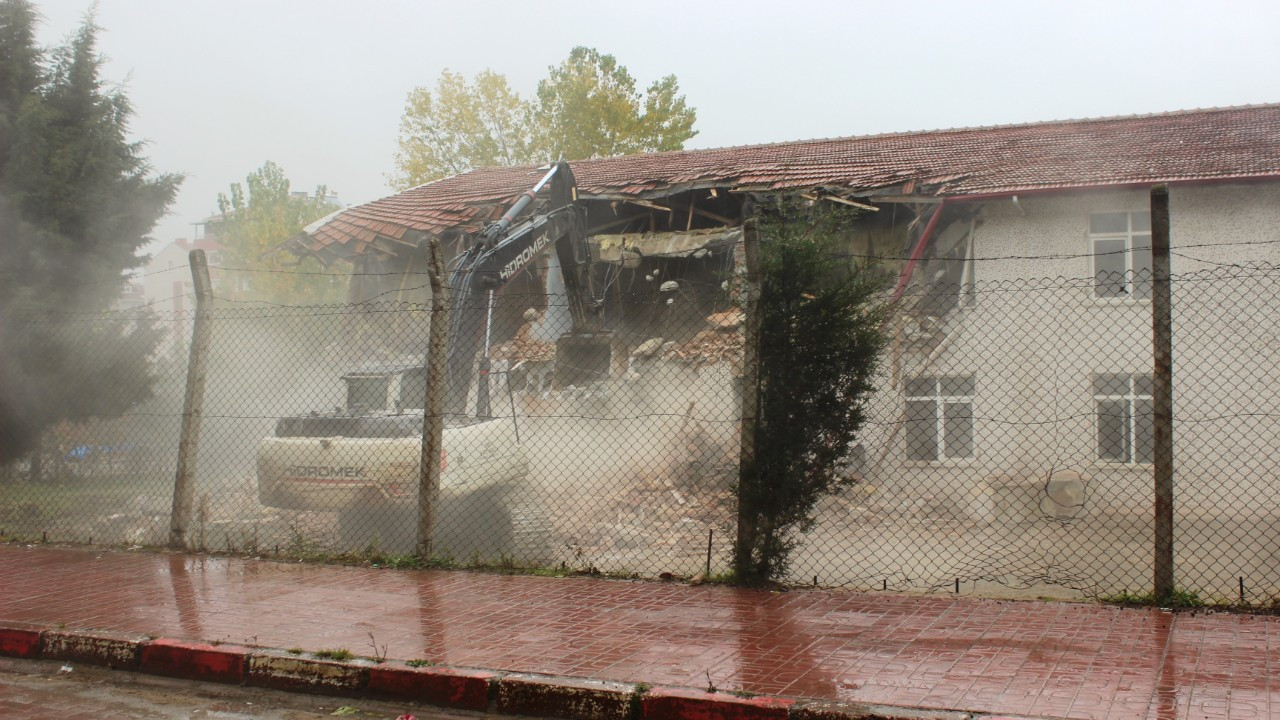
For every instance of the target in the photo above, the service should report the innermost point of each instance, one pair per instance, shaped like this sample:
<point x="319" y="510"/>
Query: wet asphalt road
<point x="42" y="690"/>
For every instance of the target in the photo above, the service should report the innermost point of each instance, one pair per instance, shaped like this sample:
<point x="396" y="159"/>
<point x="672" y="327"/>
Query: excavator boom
<point x="503" y="249"/>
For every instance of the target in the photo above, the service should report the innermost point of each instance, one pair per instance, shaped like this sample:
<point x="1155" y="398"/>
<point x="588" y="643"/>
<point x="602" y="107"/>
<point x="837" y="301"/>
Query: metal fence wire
<point x="1009" y="448"/>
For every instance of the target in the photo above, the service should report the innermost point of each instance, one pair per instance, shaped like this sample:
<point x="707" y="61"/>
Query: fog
<point x="221" y="87"/>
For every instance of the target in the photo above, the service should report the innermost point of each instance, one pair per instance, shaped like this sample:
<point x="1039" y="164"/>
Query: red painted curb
<point x="682" y="704"/>
<point x="196" y="661"/>
<point x="446" y="687"/>
<point x="562" y="697"/>
<point x="20" y="642"/>
<point x="284" y="671"/>
<point x="114" y="650"/>
<point x="467" y="689"/>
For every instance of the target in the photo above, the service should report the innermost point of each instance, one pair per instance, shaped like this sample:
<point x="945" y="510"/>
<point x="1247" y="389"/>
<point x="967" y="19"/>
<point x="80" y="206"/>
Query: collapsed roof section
<point x="1236" y="143"/>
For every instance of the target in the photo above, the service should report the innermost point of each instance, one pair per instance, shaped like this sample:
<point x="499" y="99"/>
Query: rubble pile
<point x="656" y="513"/>
<point x="721" y="342"/>
<point x="524" y="347"/>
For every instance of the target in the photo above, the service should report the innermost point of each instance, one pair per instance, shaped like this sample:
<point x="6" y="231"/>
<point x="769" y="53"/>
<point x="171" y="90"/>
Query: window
<point x="413" y="388"/>
<point x="367" y="392"/>
<point x="1123" y="406"/>
<point x="1121" y="247"/>
<point x="940" y="417"/>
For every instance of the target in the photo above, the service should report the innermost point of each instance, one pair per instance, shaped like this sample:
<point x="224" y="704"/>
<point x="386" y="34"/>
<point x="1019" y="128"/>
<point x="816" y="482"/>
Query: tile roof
<point x="1192" y="145"/>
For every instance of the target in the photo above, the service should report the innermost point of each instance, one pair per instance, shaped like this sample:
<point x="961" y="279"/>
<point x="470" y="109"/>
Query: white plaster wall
<point x="1036" y="334"/>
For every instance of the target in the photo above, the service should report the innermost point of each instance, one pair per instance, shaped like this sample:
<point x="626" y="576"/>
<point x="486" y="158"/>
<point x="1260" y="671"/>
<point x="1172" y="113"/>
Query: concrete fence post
<point x="192" y="407"/>
<point x="1162" y="393"/>
<point x="747" y="484"/>
<point x="433" y="405"/>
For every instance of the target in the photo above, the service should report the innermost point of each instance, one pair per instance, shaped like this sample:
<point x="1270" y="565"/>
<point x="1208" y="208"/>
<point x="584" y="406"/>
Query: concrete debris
<point x="714" y="345"/>
<point x="726" y="320"/>
<point x="648" y="348"/>
<point x="524" y="347"/>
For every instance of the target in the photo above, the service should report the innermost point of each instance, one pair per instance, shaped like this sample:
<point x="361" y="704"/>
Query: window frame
<point x="1128" y="253"/>
<point x="942" y="399"/>
<point x="1134" y="454"/>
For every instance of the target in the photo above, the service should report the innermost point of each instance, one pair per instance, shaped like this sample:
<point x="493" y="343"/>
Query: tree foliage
<point x="588" y="106"/>
<point x="77" y="200"/>
<point x="462" y="126"/>
<point x="255" y="218"/>
<point x="819" y="342"/>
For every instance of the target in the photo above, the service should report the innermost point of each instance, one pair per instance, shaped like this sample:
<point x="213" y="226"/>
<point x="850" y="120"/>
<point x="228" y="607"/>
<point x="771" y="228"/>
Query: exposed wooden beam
<point x="612" y="224"/>
<point x="842" y="201"/>
<point x="850" y="203"/>
<point x="908" y="199"/>
<point x="650" y="205"/>
<point x="710" y="215"/>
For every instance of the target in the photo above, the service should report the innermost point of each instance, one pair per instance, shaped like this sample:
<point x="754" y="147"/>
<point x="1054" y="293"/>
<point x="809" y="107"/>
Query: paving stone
<point x="992" y="657"/>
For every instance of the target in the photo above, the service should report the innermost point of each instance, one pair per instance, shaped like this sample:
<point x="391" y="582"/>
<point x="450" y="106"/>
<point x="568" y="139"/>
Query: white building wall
<point x="1036" y="333"/>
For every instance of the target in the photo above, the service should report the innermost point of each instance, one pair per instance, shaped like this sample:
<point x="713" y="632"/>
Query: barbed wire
<point x="1176" y="250"/>
<point x="987" y="419"/>
<point x="374" y="305"/>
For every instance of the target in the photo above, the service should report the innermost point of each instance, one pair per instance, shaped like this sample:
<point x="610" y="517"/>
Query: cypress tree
<point x="820" y="341"/>
<point x="77" y="200"/>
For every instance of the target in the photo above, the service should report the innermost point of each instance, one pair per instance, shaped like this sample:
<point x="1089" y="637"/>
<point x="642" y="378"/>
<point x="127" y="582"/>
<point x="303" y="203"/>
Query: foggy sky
<point x="221" y="86"/>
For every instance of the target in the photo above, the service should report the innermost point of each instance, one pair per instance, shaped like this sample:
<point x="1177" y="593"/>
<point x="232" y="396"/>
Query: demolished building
<point x="946" y="210"/>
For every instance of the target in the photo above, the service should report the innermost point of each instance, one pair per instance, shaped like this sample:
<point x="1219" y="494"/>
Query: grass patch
<point x="33" y="507"/>
<point x="1179" y="598"/>
<point x="338" y="654"/>
<point x="418" y="662"/>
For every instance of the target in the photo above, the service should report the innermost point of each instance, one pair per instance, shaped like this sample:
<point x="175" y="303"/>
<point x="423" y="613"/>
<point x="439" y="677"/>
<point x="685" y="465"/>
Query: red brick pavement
<point x="1018" y="658"/>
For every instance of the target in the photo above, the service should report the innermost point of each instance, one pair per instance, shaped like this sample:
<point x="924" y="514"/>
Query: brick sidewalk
<point x="1015" y="658"/>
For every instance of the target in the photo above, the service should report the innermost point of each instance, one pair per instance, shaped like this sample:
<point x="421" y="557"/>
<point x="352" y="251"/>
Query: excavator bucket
<point x="584" y="358"/>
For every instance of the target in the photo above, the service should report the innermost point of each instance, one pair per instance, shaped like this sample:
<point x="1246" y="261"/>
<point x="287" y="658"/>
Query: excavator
<point x="361" y="461"/>
<point x="503" y="249"/>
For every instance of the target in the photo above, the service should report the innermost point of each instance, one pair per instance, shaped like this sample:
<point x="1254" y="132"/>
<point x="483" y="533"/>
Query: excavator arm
<point x="502" y="250"/>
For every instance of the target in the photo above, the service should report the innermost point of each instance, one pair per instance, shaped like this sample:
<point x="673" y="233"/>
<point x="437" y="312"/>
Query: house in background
<point x="166" y="286"/>
<point x="1020" y="349"/>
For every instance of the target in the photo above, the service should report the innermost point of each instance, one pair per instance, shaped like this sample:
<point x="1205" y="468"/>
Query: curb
<point x="675" y="703"/>
<point x="196" y="661"/>
<point x="561" y="697"/>
<point x="443" y="686"/>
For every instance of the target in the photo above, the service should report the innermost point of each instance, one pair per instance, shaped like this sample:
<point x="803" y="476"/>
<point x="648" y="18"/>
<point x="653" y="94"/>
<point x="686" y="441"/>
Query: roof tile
<point x="1220" y="143"/>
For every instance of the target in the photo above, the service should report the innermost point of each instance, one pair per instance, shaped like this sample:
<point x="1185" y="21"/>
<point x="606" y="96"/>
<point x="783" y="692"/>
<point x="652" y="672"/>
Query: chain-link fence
<point x="1010" y="445"/>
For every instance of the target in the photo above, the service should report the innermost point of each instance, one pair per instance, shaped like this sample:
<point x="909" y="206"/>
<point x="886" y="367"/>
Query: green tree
<point x="819" y="342"/>
<point x="20" y="64"/>
<point x="461" y="126"/>
<point x="255" y="218"/>
<point x="77" y="200"/>
<point x="588" y="106"/>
